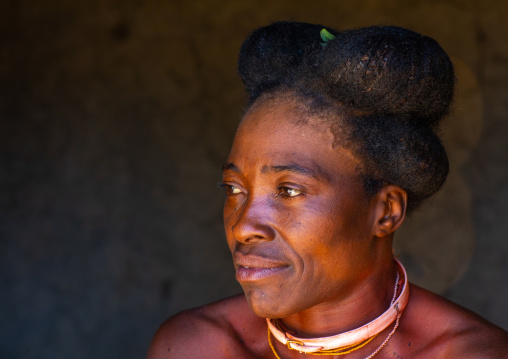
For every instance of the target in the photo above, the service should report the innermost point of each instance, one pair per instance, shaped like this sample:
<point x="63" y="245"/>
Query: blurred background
<point x="115" y="119"/>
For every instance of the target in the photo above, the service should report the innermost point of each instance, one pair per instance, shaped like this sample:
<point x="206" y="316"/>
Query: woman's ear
<point x="390" y="210"/>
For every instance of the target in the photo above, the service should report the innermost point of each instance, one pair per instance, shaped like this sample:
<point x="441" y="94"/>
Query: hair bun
<point x="269" y="55"/>
<point x="388" y="70"/>
<point x="386" y="87"/>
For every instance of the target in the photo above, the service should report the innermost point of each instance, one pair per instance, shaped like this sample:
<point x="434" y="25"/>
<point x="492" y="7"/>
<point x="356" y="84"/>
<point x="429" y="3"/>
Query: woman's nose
<point x="254" y="222"/>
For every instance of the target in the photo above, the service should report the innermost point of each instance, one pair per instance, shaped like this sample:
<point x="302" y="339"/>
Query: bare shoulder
<point x="213" y="331"/>
<point x="439" y="328"/>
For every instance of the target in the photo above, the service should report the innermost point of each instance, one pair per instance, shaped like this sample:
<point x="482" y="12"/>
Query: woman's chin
<point x="265" y="305"/>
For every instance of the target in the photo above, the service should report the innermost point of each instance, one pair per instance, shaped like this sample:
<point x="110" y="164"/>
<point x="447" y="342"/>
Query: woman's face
<point x="297" y="219"/>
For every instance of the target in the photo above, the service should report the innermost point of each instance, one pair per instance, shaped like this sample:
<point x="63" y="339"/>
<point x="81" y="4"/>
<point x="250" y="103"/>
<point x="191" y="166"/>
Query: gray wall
<point x="115" y="118"/>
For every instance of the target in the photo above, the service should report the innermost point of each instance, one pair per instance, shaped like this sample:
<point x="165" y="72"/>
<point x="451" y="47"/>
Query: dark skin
<point x="310" y="247"/>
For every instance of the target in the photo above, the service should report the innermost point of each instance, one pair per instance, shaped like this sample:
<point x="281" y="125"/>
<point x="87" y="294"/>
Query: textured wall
<point x="115" y="118"/>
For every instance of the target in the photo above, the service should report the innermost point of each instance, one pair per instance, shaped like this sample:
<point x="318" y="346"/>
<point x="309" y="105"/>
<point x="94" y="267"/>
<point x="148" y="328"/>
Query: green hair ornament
<point x="326" y="36"/>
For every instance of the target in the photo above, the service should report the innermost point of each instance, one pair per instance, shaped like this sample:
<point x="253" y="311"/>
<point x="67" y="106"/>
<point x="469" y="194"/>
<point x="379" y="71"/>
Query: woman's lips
<point x="250" y="268"/>
<point x="244" y="274"/>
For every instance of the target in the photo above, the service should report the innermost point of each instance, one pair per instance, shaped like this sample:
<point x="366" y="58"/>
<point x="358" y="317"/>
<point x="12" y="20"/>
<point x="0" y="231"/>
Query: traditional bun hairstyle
<point x="390" y="87"/>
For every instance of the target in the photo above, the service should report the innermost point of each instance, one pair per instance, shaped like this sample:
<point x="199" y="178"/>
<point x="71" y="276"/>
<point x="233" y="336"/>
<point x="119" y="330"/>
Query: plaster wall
<point x="115" y="118"/>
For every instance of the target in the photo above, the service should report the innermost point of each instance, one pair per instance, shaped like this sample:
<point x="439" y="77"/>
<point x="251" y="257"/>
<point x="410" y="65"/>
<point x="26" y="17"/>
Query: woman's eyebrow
<point x="315" y="173"/>
<point x="230" y="166"/>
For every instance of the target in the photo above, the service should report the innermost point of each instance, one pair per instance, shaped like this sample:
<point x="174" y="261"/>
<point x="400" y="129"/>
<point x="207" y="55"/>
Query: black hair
<point x="389" y="86"/>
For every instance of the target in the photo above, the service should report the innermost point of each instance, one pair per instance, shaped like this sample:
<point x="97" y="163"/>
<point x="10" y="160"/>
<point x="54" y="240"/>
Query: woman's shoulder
<point x="440" y="328"/>
<point x="216" y="330"/>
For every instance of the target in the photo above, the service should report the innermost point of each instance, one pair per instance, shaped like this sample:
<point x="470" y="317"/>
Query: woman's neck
<point x="367" y="301"/>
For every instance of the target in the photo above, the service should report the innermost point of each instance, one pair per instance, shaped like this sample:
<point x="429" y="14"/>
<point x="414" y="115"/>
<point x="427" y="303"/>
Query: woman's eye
<point x="289" y="192"/>
<point x="231" y="190"/>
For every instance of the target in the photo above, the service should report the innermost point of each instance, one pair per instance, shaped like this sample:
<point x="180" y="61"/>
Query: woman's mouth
<point x="247" y="274"/>
<point x="250" y="268"/>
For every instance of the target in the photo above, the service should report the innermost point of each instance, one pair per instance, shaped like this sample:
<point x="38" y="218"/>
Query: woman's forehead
<point x="285" y="116"/>
<point x="275" y="136"/>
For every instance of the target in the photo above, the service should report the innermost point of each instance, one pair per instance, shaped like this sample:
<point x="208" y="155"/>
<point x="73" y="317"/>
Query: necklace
<point x="340" y="351"/>
<point x="347" y="342"/>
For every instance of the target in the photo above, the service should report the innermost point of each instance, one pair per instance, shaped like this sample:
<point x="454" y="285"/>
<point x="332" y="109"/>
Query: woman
<point x="338" y="143"/>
